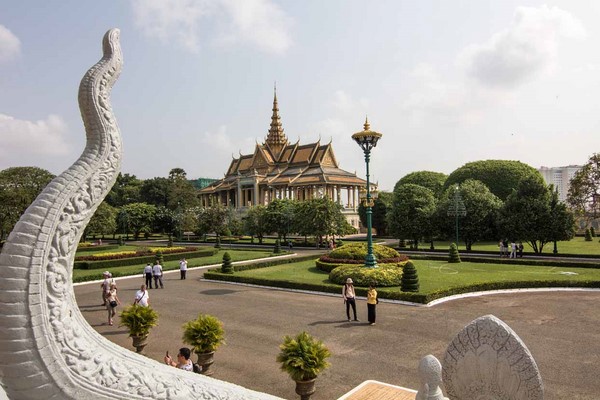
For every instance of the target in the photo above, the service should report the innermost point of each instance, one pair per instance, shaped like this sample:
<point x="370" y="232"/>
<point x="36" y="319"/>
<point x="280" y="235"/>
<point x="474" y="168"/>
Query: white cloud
<point x="260" y="23"/>
<point x="343" y="116"/>
<point x="26" y="139"/>
<point x="222" y="143"/>
<point x="10" y="45"/>
<point x="527" y="48"/>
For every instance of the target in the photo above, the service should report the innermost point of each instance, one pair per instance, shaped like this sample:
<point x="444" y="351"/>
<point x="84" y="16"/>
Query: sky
<point x="445" y="82"/>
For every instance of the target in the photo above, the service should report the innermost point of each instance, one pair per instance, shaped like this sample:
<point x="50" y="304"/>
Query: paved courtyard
<point x="560" y="329"/>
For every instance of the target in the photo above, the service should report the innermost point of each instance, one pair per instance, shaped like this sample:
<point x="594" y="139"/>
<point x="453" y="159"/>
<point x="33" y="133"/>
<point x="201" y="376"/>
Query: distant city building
<point x="201" y="183"/>
<point x="560" y="177"/>
<point x="278" y="169"/>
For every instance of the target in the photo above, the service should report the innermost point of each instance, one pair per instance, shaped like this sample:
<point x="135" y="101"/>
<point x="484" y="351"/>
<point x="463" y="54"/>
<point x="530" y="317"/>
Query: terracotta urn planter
<point x="139" y="342"/>
<point x="305" y="388"/>
<point x="205" y="360"/>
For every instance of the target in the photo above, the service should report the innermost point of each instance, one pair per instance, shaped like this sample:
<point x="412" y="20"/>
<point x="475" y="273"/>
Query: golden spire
<point x="276" y="139"/>
<point x="366" y="125"/>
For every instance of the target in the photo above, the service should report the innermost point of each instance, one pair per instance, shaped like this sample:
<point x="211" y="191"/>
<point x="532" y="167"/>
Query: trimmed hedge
<point x="269" y="263"/>
<point x="517" y="261"/>
<point x="105" y="264"/>
<point x="382" y="276"/>
<point x="91" y="249"/>
<point x="358" y="251"/>
<point x="397" y="294"/>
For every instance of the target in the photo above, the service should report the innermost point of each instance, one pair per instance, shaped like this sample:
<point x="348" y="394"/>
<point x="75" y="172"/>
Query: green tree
<point x="500" y="176"/>
<point x="182" y="192"/>
<point x="167" y="221"/>
<point x="534" y="214"/>
<point x="429" y="179"/>
<point x="482" y="207"/>
<point x="126" y="190"/>
<point x="322" y="217"/>
<point x="156" y="191"/>
<point x="280" y="216"/>
<point x="255" y="222"/>
<point x="212" y="219"/>
<point x="379" y="212"/>
<point x="412" y="212"/>
<point x="103" y="222"/>
<point x="136" y="218"/>
<point x="19" y="186"/>
<point x="584" y="193"/>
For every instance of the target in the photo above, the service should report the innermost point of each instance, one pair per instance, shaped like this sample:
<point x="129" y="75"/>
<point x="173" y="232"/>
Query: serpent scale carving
<point x="47" y="349"/>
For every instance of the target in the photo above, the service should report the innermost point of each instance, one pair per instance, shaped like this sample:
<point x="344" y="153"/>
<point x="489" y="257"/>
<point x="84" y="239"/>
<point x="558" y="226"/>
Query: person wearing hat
<point x="349" y="298"/>
<point x="105" y="285"/>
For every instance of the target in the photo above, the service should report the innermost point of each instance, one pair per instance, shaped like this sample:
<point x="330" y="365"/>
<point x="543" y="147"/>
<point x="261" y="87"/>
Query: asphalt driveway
<point x="561" y="330"/>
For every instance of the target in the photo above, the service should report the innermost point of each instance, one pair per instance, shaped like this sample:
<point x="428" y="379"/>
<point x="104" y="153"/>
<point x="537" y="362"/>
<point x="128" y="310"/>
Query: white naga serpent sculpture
<point x="47" y="349"/>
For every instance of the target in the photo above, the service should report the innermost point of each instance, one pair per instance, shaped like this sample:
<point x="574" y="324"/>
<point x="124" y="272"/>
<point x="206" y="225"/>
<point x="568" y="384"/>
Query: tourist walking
<point x="501" y="245"/>
<point x="372" y="301"/>
<point x="505" y="247"/>
<point x="141" y="297"/>
<point x="157" y="272"/>
<point x="105" y="286"/>
<point x="148" y="275"/>
<point x="513" y="249"/>
<point x="112" y="300"/>
<point x="520" y="248"/>
<point x="183" y="268"/>
<point x="349" y="298"/>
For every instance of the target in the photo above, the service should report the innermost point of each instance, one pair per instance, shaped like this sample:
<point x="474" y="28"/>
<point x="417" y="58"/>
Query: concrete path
<point x="560" y="329"/>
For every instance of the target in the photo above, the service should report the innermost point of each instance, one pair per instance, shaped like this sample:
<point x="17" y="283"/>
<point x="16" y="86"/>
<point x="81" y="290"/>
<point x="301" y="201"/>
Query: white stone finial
<point x="430" y="374"/>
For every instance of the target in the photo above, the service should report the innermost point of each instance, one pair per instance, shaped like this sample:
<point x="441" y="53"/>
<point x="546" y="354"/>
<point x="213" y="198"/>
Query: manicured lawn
<point x="576" y="245"/>
<point x="437" y="275"/>
<point x="236" y="255"/>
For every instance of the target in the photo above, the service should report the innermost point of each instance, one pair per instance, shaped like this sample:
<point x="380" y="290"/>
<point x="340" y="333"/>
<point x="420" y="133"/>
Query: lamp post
<point x="367" y="139"/>
<point x="457" y="208"/>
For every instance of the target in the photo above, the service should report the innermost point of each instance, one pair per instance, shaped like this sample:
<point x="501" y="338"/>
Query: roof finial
<point x="367" y="126"/>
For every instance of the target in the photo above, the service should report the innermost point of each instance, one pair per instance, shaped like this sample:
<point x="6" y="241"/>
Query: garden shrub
<point x="383" y="275"/>
<point x="358" y="251"/>
<point x="410" y="279"/>
<point x="453" y="256"/>
<point x="588" y="235"/>
<point x="593" y="231"/>
<point x="121" y="262"/>
<point x="227" y="267"/>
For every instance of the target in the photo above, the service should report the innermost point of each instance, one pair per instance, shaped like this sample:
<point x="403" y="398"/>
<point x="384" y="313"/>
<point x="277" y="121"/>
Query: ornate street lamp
<point x="457" y="209"/>
<point x="367" y="139"/>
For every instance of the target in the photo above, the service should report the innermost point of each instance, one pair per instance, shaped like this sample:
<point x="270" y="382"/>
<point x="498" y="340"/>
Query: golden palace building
<point x="280" y="170"/>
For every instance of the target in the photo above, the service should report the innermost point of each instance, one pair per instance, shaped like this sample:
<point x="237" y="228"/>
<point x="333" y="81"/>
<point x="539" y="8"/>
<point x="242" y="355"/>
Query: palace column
<point x="255" y="195"/>
<point x="338" y="196"/>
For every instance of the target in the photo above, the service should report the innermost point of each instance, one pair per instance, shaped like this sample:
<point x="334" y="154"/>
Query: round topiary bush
<point x="358" y="251"/>
<point x="383" y="275"/>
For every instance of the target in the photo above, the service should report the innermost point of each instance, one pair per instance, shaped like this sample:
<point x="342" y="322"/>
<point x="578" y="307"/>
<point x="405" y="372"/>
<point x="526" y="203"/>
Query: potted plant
<point x="139" y="320"/>
<point x="303" y="358"/>
<point x="205" y="334"/>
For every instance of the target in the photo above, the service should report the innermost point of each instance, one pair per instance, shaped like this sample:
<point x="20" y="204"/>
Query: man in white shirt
<point x="183" y="268"/>
<point x="141" y="297"/>
<point x="157" y="273"/>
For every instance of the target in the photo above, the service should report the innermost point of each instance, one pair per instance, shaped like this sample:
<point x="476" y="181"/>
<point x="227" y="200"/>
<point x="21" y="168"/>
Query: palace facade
<point x="278" y="169"/>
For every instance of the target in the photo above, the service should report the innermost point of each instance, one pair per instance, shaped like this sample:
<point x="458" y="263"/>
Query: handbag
<point x="113" y="303"/>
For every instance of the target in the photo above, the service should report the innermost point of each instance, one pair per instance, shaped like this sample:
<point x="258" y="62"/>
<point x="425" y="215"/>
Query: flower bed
<point x="119" y="255"/>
